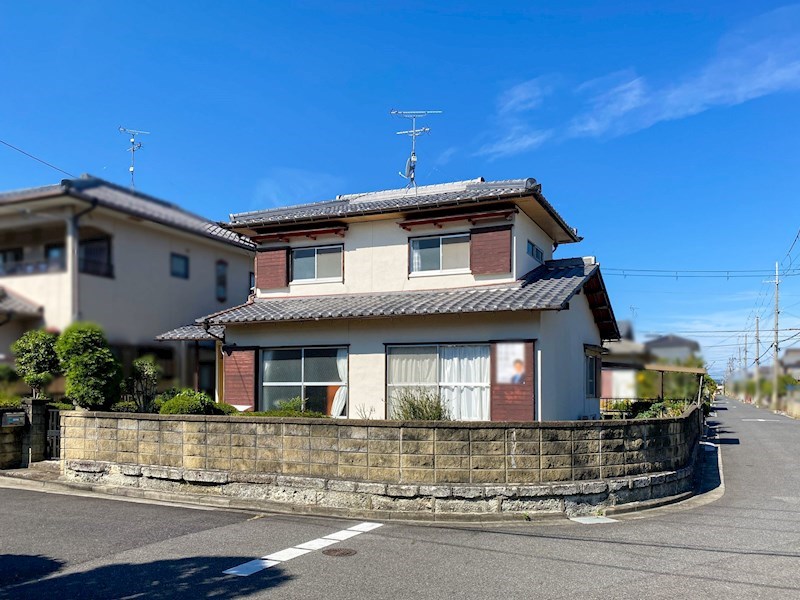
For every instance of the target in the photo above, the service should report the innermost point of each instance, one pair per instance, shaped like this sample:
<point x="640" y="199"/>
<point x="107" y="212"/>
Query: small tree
<point x="93" y="374"/>
<point x="36" y="359"/>
<point x="143" y="383"/>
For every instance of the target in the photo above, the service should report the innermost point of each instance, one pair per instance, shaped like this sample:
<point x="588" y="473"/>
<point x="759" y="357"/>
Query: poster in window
<point x="511" y="363"/>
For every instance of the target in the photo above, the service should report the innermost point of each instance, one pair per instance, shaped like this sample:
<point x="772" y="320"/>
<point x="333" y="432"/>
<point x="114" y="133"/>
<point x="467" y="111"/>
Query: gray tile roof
<point x="470" y="192"/>
<point x="548" y="287"/>
<point x="13" y="304"/>
<point x="115" y="197"/>
<point x="192" y="333"/>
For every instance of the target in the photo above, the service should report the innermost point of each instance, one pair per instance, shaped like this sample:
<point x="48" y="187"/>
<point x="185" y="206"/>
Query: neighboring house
<point x="673" y="348"/>
<point x="87" y="249"/>
<point x="623" y="360"/>
<point x="791" y="362"/>
<point x="450" y="288"/>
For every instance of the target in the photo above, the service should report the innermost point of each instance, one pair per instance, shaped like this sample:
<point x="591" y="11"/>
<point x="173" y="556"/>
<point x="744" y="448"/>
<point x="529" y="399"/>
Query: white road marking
<point x="763" y="420"/>
<point x="592" y="520"/>
<point x="277" y="558"/>
<point x="254" y="566"/>
<point x="287" y="554"/>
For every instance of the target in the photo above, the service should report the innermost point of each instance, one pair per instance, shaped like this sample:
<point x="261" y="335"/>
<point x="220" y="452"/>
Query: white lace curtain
<point x="339" y="407"/>
<point x="460" y="373"/>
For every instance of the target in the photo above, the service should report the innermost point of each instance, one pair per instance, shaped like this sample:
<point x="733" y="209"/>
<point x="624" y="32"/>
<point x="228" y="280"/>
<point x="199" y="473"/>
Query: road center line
<point x="277" y="558"/>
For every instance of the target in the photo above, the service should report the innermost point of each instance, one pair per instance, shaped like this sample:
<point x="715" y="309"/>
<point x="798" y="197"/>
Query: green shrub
<point x="288" y="408"/>
<point x="419" y="404"/>
<point x="189" y="402"/>
<point x="36" y="359"/>
<point x="93" y="374"/>
<point x="9" y="401"/>
<point x="7" y="374"/>
<point x="61" y="405"/>
<point x="226" y="409"/>
<point x="128" y="406"/>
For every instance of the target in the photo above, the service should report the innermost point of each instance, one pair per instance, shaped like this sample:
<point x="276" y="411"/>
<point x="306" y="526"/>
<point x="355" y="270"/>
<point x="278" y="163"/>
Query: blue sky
<point x="666" y="132"/>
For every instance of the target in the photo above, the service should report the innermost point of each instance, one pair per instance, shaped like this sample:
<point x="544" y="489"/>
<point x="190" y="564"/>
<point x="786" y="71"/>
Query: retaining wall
<point x="10" y="443"/>
<point x="426" y="468"/>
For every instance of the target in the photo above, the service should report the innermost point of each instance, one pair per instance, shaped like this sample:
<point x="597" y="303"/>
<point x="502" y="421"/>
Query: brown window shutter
<point x="490" y="250"/>
<point x="239" y="367"/>
<point x="272" y="268"/>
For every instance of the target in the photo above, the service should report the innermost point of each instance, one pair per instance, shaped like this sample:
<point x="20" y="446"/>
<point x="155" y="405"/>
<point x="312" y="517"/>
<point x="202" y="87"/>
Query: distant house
<point x="622" y="361"/>
<point x="87" y="249"/>
<point x="673" y="348"/>
<point x="451" y="289"/>
<point x="791" y="362"/>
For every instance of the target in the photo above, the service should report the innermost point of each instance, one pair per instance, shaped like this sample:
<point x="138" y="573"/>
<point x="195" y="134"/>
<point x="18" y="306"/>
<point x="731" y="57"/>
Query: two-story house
<point x="87" y="249"/>
<point x="672" y="348"/>
<point x="451" y="288"/>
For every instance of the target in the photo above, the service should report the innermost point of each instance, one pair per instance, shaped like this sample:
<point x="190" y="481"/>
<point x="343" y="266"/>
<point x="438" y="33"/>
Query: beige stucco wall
<point x="560" y="355"/>
<point x="560" y="339"/>
<point x="376" y="258"/>
<point x="143" y="299"/>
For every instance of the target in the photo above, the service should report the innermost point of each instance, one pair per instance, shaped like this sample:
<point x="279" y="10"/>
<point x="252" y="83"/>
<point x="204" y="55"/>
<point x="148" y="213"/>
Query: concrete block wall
<point x="10" y="444"/>
<point x="386" y="451"/>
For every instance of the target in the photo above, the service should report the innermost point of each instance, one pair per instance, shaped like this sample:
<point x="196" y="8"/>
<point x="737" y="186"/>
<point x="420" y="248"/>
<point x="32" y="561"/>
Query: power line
<point x="36" y="158"/>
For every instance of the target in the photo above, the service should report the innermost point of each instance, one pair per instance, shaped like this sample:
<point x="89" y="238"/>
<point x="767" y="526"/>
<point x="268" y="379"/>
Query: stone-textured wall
<point x="387" y="451"/>
<point x="10" y="444"/>
<point x="34" y="438"/>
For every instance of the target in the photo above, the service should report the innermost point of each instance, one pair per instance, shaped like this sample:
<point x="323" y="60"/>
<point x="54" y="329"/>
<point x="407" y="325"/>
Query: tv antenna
<point x="413" y="133"/>
<point x="134" y="147"/>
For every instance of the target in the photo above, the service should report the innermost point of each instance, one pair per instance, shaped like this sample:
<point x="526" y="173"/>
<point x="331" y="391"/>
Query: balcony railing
<point x="55" y="265"/>
<point x="33" y="267"/>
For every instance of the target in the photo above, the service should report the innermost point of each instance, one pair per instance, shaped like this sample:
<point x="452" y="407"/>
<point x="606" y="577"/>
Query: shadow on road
<point x="18" y="568"/>
<point x="196" y="577"/>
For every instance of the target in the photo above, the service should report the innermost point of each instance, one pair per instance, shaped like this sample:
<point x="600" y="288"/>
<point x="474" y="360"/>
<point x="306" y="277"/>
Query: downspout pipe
<point x="73" y="223"/>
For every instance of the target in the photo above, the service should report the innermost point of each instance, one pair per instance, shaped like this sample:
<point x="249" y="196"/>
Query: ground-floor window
<point x="593" y="363"/>
<point x="317" y="375"/>
<point x="458" y="373"/>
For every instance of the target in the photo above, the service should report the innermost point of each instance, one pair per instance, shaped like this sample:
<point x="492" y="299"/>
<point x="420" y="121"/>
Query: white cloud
<point x="758" y="59"/>
<point x="283" y="186"/>
<point x="523" y="97"/>
<point x="515" y="140"/>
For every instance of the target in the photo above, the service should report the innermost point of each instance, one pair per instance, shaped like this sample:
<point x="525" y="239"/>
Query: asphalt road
<point x="745" y="544"/>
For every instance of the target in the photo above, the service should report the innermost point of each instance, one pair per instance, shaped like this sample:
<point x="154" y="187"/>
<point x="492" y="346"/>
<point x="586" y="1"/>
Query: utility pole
<point x="775" y="343"/>
<point x="746" y="366"/>
<point x="757" y="373"/>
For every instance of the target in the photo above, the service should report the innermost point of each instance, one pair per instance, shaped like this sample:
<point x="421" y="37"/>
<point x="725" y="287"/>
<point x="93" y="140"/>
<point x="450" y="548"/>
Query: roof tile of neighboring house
<point x="548" y="287"/>
<point x="672" y="341"/>
<point x="192" y="333"/>
<point x="11" y="303"/>
<point x="470" y="192"/>
<point x="791" y="357"/>
<point x="115" y="197"/>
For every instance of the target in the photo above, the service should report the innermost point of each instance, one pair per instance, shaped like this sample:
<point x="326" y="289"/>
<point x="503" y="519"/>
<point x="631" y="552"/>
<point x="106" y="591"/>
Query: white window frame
<point x="302" y="384"/>
<point x="438" y="385"/>
<point x="317" y="279"/>
<point x="534" y="252"/>
<point x="439" y="271"/>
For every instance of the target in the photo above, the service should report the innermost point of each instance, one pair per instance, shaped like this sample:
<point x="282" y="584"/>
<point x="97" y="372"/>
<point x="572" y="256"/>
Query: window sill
<point x="442" y="272"/>
<point x="311" y="281"/>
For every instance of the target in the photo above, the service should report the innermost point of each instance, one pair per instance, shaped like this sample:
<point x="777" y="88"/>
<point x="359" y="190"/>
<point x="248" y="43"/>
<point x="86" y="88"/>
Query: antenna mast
<point x="413" y="133"/>
<point x="134" y="147"/>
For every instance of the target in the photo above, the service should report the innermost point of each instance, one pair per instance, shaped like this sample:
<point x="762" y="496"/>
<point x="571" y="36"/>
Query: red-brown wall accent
<point x="513" y="401"/>
<point x="272" y="268"/>
<point x="490" y="250"/>
<point x="240" y="377"/>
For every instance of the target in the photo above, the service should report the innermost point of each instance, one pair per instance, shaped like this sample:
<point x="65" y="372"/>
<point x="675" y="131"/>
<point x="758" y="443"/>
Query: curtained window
<point x="458" y="372"/>
<point x="440" y="253"/>
<point x="317" y="375"/>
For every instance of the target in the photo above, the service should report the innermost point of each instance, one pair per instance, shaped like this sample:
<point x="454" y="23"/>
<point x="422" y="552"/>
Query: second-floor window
<point x="440" y="253"/>
<point x="535" y="252"/>
<point x="94" y="257"/>
<point x="10" y="258"/>
<point x="320" y="263"/>
<point x="221" y="279"/>
<point x="179" y="266"/>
